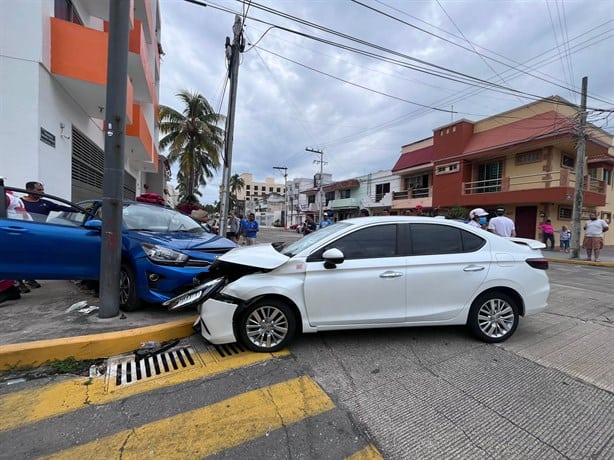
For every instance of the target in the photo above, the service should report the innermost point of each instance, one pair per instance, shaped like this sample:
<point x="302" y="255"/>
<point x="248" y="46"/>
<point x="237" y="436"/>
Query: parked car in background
<point x="372" y="272"/>
<point x="164" y="252"/>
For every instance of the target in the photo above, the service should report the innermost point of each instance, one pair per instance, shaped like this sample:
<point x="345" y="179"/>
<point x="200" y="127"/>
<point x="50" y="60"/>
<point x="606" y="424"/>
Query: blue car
<point x="164" y="252"/>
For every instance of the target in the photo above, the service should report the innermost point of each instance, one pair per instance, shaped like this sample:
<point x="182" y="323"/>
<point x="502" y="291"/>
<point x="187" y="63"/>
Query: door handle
<point x="391" y="275"/>
<point x="15" y="230"/>
<point x="473" y="268"/>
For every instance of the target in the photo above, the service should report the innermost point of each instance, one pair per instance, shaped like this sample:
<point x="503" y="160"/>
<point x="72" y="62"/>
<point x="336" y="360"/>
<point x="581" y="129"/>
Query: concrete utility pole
<point x="233" y="53"/>
<point x="285" y="170"/>
<point x="578" y="201"/>
<point x="113" y="182"/>
<point x="321" y="161"/>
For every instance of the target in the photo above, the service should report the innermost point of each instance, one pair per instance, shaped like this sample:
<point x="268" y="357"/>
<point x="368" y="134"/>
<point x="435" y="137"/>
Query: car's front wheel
<point x="493" y="317"/>
<point x="267" y="326"/>
<point x="128" y="301"/>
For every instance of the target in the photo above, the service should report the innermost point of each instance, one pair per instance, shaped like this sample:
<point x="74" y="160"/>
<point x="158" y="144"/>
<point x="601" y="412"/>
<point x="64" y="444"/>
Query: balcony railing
<point x="422" y="192"/>
<point x="560" y="178"/>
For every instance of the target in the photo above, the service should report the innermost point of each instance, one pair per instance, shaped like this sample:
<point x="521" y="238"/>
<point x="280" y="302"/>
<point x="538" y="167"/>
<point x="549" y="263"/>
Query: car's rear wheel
<point x="267" y="326"/>
<point x="128" y="301"/>
<point x="493" y="317"/>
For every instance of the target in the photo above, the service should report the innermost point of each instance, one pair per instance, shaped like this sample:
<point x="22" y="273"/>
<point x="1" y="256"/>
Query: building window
<point x="278" y="189"/>
<point x="270" y="189"/>
<point x="447" y="169"/>
<point x="311" y="199"/>
<point x="565" y="213"/>
<point x="329" y="196"/>
<point x="344" y="193"/>
<point x="418" y="185"/>
<point x="568" y="161"/>
<point x="592" y="172"/>
<point x="247" y="187"/>
<point x="528" y="157"/>
<point x="381" y="190"/>
<point x="607" y="176"/>
<point x="247" y="193"/>
<point x="255" y="187"/>
<point x="64" y="9"/>
<point x="489" y="177"/>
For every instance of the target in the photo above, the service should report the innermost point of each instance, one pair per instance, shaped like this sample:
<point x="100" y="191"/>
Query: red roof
<point x="543" y="124"/>
<point x="418" y="157"/>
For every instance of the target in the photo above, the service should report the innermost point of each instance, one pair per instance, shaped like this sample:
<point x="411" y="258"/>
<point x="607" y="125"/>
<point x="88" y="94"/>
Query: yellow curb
<point x="94" y="346"/>
<point x="582" y="262"/>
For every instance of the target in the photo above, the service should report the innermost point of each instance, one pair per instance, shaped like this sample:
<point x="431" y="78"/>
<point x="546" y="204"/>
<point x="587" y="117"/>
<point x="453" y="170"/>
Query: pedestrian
<point x="363" y="213"/>
<point x="39" y="208"/>
<point x="234" y="226"/>
<point x="478" y="218"/>
<point x="202" y="217"/>
<point x="242" y="226"/>
<point x="547" y="233"/>
<point x="326" y="221"/>
<point x="593" y="238"/>
<point x="418" y="210"/>
<point x="188" y="205"/>
<point x="309" y="226"/>
<point x="251" y="229"/>
<point x="564" y="238"/>
<point x="501" y="224"/>
<point x="15" y="209"/>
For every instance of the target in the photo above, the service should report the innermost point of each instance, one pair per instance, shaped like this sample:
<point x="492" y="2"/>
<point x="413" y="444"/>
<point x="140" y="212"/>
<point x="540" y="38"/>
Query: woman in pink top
<point x="547" y="233"/>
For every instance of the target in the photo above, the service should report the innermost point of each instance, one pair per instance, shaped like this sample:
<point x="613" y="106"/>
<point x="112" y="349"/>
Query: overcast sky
<point x="419" y="65"/>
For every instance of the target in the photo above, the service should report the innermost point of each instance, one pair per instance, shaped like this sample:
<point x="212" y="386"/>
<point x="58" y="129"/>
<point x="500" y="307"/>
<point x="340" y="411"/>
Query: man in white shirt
<point x="502" y="225"/>
<point x="593" y="238"/>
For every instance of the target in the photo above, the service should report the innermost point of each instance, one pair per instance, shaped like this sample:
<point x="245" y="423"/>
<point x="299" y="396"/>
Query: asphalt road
<point x="548" y="392"/>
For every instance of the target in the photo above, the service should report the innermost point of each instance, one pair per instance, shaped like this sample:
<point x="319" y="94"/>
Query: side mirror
<point x="93" y="224"/>
<point x="332" y="257"/>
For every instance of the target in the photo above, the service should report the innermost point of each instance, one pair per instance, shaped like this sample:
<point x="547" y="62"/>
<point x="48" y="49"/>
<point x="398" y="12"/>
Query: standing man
<point x="502" y="225"/>
<point x="234" y="225"/>
<point x="477" y="218"/>
<point x="593" y="238"/>
<point x="251" y="229"/>
<point x="326" y="221"/>
<point x="309" y="226"/>
<point x="38" y="207"/>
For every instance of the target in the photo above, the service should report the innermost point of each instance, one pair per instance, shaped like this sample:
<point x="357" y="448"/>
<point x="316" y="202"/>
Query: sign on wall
<point x="47" y="137"/>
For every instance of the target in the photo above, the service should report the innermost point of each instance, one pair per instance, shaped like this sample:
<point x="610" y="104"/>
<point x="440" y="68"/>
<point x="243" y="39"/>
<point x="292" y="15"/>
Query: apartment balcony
<point x="142" y="11"/>
<point x="409" y="199"/>
<point x="549" y="186"/>
<point x="139" y="144"/>
<point x="139" y="68"/>
<point x="79" y="64"/>
<point x="344" y="203"/>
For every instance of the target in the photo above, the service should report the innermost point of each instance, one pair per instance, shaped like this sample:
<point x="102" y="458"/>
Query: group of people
<point x="241" y="230"/>
<point x="504" y="226"/>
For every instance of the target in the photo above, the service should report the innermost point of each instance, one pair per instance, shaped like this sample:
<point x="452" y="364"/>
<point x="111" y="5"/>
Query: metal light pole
<point x="321" y="161"/>
<point x="285" y="170"/>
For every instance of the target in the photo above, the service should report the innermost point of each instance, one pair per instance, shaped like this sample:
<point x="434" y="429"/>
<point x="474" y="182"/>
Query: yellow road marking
<point x="32" y="405"/>
<point x="368" y="453"/>
<point x="211" y="429"/>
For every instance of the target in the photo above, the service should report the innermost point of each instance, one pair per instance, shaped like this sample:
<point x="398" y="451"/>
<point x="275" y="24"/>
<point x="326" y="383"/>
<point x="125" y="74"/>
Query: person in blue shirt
<point x="326" y="221"/>
<point x="251" y="229"/>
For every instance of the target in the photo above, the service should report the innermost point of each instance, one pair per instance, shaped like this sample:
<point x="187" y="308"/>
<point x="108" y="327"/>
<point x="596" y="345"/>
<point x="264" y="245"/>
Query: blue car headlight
<point x="161" y="255"/>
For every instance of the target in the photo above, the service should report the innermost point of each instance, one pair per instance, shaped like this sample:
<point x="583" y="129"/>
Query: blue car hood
<point x="183" y="241"/>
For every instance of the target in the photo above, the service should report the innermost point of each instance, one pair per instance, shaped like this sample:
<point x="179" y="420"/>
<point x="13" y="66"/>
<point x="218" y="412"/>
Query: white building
<point x="53" y="63"/>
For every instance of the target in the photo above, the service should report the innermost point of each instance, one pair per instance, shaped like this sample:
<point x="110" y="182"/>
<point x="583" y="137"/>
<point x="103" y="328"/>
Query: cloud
<point x="283" y="107"/>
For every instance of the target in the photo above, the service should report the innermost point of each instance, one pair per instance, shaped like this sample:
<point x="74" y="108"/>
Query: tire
<point x="266" y="326"/>
<point x="128" y="300"/>
<point x="493" y="317"/>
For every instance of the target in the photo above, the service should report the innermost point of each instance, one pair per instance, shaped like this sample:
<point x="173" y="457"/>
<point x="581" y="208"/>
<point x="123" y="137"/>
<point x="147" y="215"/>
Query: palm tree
<point x="236" y="184"/>
<point x="194" y="139"/>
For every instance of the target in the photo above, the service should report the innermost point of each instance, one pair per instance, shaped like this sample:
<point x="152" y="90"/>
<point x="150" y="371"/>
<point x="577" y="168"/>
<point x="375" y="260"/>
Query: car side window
<point x="430" y="239"/>
<point x="367" y="243"/>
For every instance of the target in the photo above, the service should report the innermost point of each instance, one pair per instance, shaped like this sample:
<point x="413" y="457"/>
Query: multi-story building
<point x="53" y="87"/>
<point x="523" y="159"/>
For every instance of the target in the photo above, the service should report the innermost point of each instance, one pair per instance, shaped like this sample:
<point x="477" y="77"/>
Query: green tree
<point x="235" y="186"/>
<point x="194" y="139"/>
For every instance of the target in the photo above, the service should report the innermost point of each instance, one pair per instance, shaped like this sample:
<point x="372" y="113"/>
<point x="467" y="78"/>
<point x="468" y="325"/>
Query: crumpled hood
<point x="184" y="241"/>
<point x="263" y="256"/>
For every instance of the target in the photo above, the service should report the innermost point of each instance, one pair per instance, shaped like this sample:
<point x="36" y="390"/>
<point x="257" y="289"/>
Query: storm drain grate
<point x="127" y="369"/>
<point x="229" y="349"/>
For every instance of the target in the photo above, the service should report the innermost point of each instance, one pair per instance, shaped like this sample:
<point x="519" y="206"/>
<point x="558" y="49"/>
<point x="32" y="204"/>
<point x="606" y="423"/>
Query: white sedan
<point x="372" y="272"/>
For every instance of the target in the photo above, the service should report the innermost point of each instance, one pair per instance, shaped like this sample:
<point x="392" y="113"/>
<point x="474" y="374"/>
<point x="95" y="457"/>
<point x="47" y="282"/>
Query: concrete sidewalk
<point x="37" y="328"/>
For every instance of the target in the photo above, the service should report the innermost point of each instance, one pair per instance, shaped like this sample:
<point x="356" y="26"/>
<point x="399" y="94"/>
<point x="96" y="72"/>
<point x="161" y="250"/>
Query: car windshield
<point x="312" y="238"/>
<point x="154" y="218"/>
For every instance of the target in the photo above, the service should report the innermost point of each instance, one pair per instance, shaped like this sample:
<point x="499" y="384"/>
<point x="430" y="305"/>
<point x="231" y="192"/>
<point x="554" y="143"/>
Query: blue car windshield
<point x="146" y="217"/>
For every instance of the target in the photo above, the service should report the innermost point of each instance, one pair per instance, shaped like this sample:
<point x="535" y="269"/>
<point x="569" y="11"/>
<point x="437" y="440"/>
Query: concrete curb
<point x="94" y="346"/>
<point x="581" y="262"/>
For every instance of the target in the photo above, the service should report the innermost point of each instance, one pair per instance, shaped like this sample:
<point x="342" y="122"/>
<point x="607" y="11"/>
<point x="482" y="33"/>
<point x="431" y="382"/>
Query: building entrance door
<point x="526" y="219"/>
